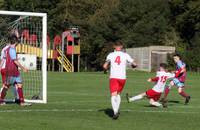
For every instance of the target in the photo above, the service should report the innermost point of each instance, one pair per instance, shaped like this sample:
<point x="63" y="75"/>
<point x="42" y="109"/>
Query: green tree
<point x="186" y="21"/>
<point x="136" y="22"/>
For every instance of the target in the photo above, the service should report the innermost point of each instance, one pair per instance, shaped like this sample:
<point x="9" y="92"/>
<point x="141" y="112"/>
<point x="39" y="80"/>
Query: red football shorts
<point x="117" y="85"/>
<point x="3" y="75"/>
<point x="153" y="94"/>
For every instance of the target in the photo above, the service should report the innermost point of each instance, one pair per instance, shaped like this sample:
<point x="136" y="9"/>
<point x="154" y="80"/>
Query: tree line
<point x="135" y="22"/>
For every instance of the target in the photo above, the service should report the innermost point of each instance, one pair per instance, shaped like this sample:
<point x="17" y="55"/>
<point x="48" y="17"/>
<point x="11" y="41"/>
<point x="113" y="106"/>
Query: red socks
<point x="166" y="92"/>
<point x="3" y="93"/>
<point x="20" y="94"/>
<point x="183" y="94"/>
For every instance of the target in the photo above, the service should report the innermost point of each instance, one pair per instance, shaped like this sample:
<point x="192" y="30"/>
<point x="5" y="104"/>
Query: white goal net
<point x="31" y="50"/>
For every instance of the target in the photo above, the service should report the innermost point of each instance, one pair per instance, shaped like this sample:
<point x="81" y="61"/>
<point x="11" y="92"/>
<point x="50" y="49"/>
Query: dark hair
<point x="12" y="39"/>
<point x="118" y="43"/>
<point x="177" y="55"/>
<point x="163" y="65"/>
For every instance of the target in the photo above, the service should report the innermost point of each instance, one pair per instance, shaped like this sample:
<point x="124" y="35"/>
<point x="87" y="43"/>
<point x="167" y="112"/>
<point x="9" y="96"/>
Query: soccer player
<point x="179" y="80"/>
<point x="3" y="71"/>
<point x="3" y="75"/>
<point x="154" y="94"/>
<point x="117" y="61"/>
<point x="12" y="72"/>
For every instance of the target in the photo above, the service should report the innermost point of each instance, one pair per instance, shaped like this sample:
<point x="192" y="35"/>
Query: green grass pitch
<point x="81" y="101"/>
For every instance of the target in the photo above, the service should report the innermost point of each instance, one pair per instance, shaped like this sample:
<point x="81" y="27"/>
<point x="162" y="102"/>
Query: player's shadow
<point x="173" y="101"/>
<point x="169" y="103"/>
<point x="12" y="101"/>
<point x="150" y="106"/>
<point x="107" y="111"/>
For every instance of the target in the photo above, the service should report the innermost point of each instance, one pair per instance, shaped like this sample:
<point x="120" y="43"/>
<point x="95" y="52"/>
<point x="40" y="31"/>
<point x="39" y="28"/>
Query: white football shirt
<point x="118" y="61"/>
<point x="162" y="79"/>
<point x="3" y="57"/>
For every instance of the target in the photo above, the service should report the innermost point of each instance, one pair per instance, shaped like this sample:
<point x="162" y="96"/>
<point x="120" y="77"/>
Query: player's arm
<point x="180" y="71"/>
<point x="133" y="64"/>
<point x="170" y="75"/>
<point x="154" y="79"/>
<point x="1" y="64"/>
<point x="20" y="66"/>
<point x="131" y="61"/>
<point x="106" y="65"/>
<point x="13" y="56"/>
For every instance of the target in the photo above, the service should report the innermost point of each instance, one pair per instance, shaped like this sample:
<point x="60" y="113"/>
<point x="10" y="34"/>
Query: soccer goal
<point x="31" y="29"/>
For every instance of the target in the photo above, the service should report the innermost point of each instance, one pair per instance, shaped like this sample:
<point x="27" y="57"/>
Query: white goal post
<point x="43" y="58"/>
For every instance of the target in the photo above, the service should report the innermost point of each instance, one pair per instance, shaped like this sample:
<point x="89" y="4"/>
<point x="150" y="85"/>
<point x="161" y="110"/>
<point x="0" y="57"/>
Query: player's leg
<point x="114" y="96"/>
<point x="148" y="94"/>
<point x="18" y="83"/>
<point x="20" y="92"/>
<point x="121" y="84"/>
<point x="15" y="93"/>
<point x="135" y="98"/>
<point x="154" y="98"/>
<point x="167" y="90"/>
<point x="114" y="103"/>
<point x="180" y="86"/>
<point x="4" y="88"/>
<point x="154" y="103"/>
<point x="183" y="94"/>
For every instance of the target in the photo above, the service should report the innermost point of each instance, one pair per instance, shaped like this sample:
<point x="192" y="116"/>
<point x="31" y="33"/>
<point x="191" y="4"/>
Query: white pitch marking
<point x="92" y="110"/>
<point x="76" y="93"/>
<point x="104" y="101"/>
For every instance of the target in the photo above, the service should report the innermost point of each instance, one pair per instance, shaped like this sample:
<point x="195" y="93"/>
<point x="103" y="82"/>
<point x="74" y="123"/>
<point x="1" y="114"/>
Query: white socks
<point x="138" y="97"/>
<point x="135" y="98"/>
<point x="157" y="104"/>
<point x="115" y="101"/>
<point x="118" y="102"/>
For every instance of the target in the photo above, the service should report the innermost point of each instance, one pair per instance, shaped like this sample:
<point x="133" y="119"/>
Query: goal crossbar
<point x="22" y="13"/>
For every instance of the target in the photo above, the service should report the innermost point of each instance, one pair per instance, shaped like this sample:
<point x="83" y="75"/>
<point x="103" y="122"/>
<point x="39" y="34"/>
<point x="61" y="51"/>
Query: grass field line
<point x="98" y="101"/>
<point x="94" y="110"/>
<point x="104" y="101"/>
<point x="76" y="93"/>
<point x="94" y="94"/>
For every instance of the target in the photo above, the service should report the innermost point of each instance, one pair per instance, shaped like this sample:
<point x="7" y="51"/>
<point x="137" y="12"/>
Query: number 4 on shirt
<point x="117" y="60"/>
